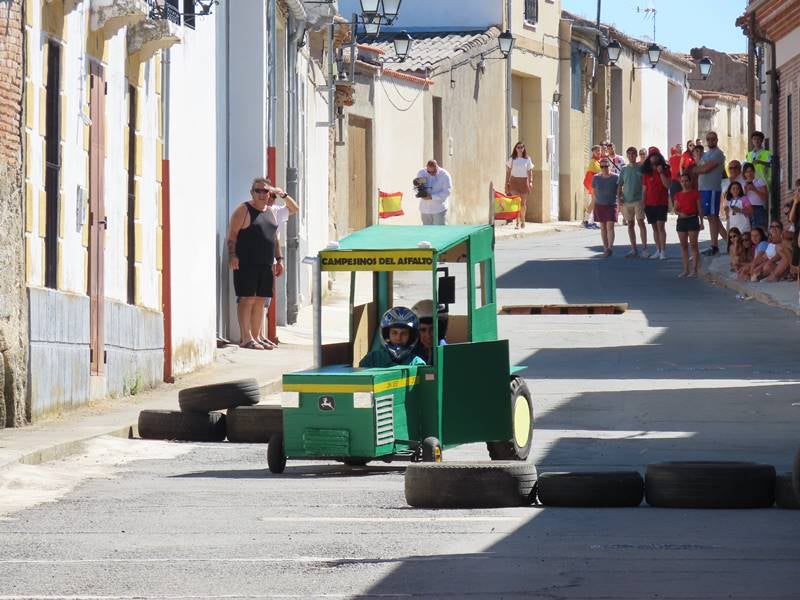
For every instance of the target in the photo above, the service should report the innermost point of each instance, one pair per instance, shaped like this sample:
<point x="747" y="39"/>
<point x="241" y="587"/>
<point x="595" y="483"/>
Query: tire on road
<point x="253" y="424"/>
<point x="219" y="396"/>
<point x="181" y="426"/>
<point x="469" y="485"/>
<point x="710" y="485"/>
<point x="595" y="489"/>
<point x="519" y="446"/>
<point x="785" y="496"/>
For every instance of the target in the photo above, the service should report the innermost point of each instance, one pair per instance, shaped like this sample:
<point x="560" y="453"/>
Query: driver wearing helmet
<point x="399" y="337"/>
<point x="424" y="311"/>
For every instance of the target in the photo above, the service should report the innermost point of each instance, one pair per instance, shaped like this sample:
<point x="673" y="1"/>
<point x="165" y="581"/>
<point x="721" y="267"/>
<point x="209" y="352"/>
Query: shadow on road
<point x="291" y="472"/>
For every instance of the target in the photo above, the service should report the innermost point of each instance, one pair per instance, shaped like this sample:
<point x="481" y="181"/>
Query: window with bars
<point x="532" y="11"/>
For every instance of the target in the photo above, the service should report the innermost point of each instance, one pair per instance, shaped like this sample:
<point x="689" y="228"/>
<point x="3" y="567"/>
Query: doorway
<point x="97" y="219"/>
<point x="438" y="144"/>
<point x="359" y="146"/>
<point x="552" y="157"/>
<point x="617" y="135"/>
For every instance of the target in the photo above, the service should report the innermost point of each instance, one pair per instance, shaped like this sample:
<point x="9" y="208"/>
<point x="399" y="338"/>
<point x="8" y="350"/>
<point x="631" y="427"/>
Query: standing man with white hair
<point x="433" y="206"/>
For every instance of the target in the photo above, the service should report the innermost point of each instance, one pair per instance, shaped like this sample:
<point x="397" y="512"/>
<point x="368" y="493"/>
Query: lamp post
<point x="705" y="64"/>
<point x="654" y="54"/>
<point x="506" y="42"/>
<point x="613" y="50"/>
<point x="402" y="45"/>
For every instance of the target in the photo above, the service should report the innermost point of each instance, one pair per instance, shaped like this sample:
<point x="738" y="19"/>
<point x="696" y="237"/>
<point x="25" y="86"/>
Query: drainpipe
<point x="775" y="193"/>
<point x="272" y="123"/>
<point x="293" y="150"/>
<point x="166" y="256"/>
<point x="509" y="81"/>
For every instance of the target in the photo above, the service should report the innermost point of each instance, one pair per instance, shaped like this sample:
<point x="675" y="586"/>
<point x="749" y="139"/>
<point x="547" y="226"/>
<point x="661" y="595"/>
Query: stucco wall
<point x="193" y="181"/>
<point x="59" y="373"/>
<point x="399" y="142"/>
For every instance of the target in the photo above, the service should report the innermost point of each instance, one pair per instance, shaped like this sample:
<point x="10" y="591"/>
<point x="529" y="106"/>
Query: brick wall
<point x="789" y="88"/>
<point x="13" y="303"/>
<point x="11" y="43"/>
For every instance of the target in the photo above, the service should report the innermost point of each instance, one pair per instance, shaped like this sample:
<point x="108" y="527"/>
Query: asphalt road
<point x="687" y="373"/>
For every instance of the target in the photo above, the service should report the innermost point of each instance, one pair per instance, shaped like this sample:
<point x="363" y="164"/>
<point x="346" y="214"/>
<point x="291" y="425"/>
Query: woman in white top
<point x="519" y="179"/>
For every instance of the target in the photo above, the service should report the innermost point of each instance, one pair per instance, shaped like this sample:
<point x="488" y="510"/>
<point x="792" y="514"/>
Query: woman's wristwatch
<point x="278" y="258"/>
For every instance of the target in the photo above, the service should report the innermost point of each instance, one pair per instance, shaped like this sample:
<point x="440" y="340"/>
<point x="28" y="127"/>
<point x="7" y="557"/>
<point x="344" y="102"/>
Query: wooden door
<point x="97" y="218"/>
<point x="359" y="206"/>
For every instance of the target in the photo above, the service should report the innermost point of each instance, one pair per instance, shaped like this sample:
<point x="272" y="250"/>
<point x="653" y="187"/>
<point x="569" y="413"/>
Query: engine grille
<point x="326" y="442"/>
<point x="384" y="420"/>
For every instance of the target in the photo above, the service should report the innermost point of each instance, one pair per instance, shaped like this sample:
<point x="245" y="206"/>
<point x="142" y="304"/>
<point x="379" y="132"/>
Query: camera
<point x="421" y="186"/>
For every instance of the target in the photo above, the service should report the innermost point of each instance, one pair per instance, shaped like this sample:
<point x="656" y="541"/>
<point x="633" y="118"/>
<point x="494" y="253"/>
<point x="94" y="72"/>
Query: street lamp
<point x="705" y="65"/>
<point x="390" y="10"/>
<point x="372" y="25"/>
<point x="370" y="8"/>
<point x="506" y="41"/>
<point x="402" y="45"/>
<point x="614" y="49"/>
<point x="654" y="54"/>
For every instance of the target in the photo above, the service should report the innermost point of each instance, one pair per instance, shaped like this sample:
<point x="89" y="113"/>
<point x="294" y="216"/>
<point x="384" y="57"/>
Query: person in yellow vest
<point x="761" y="158"/>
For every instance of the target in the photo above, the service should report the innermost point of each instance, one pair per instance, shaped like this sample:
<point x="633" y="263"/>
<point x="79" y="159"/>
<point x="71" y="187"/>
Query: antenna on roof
<point x="649" y="11"/>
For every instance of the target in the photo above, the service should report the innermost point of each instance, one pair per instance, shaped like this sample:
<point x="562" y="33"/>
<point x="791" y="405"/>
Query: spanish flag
<point x="506" y="208"/>
<point x="390" y="204"/>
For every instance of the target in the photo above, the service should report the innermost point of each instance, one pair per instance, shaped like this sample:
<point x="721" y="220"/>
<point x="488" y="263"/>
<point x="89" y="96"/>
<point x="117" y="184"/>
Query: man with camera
<point x="433" y="185"/>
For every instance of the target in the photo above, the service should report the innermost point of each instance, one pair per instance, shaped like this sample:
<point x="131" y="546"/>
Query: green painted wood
<point x="474" y="391"/>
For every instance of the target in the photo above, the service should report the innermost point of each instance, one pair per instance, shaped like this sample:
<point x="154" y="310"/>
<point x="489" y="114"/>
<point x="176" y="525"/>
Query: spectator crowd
<point x="701" y="187"/>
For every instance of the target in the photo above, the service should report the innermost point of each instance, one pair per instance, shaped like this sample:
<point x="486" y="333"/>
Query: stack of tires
<point x="200" y="420"/>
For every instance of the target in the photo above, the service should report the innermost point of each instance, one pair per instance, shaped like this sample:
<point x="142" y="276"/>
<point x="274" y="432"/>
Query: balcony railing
<point x="165" y="9"/>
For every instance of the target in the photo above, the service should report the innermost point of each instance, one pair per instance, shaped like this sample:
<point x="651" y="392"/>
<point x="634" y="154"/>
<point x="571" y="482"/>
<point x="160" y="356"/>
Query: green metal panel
<point x="474" y="392"/>
<point x="395" y="237"/>
<point x="423" y="411"/>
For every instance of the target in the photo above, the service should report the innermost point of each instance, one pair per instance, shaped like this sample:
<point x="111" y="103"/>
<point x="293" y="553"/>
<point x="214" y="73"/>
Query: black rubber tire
<point x="276" y="457"/>
<point x="182" y="426"/>
<point x="784" y="493"/>
<point x="469" y="485"/>
<point x="254" y="424"/>
<point x="511" y="450"/>
<point x="356" y="462"/>
<point x="710" y="485"/>
<point x="428" y="449"/>
<point x="796" y="474"/>
<point x="597" y="489"/>
<point x="219" y="396"/>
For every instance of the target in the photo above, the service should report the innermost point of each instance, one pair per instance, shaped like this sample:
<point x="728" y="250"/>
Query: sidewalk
<point x="782" y="294"/>
<point x="59" y="436"/>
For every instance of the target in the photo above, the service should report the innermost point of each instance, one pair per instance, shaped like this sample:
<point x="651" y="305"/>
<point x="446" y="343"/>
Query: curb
<point x="130" y="430"/>
<point x="514" y="234"/>
<point x="743" y="288"/>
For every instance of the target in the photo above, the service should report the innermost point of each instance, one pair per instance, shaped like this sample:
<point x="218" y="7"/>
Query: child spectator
<point x="755" y="254"/>
<point x="737" y="207"/>
<point x="783" y="266"/>
<point x="688" y="207"/>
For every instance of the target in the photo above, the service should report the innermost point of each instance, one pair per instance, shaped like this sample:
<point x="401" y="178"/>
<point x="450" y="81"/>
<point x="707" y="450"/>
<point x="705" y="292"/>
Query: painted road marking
<point x="465" y="519"/>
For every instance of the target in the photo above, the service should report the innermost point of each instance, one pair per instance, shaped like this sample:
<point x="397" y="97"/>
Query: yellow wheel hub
<point x="522" y="421"/>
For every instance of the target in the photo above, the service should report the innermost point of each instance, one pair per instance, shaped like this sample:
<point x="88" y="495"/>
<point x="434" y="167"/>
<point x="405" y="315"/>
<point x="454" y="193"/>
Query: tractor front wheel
<point x="431" y="450"/>
<point x="276" y="457"/>
<point x="519" y="446"/>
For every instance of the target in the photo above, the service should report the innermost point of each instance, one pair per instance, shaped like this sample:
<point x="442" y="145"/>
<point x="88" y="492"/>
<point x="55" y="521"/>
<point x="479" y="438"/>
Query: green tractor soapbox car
<point x="470" y="392"/>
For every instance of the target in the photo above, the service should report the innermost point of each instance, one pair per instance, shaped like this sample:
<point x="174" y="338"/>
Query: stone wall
<point x="13" y="304"/>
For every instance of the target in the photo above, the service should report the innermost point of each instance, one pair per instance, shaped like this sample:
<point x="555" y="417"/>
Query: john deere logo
<point x="327" y="403"/>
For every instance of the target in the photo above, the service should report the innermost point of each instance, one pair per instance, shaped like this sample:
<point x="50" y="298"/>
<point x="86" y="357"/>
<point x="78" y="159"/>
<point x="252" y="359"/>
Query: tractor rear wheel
<point x="519" y="446"/>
